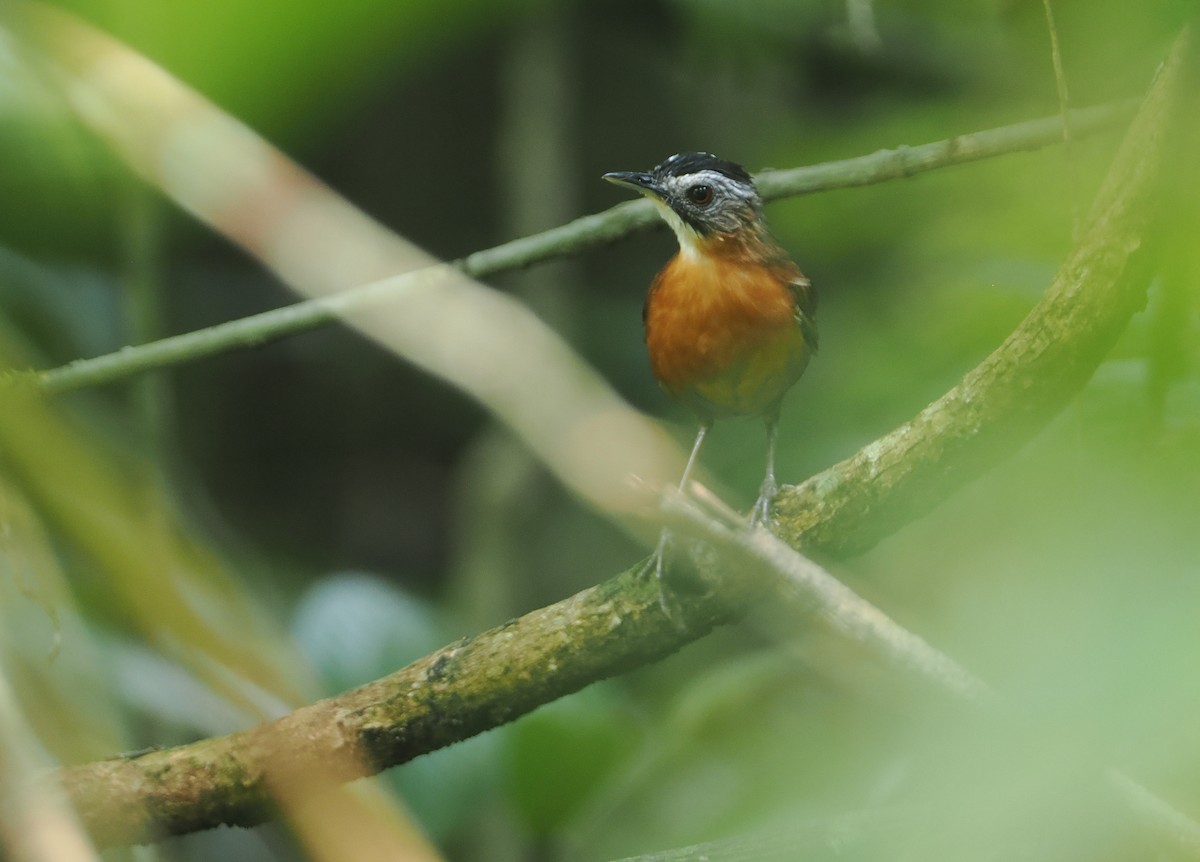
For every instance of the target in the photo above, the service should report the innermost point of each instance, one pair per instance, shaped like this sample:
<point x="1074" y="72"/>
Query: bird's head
<point x="699" y="195"/>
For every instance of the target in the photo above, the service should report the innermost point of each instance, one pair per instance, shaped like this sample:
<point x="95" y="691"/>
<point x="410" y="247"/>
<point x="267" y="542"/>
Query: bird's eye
<point x="700" y="195"/>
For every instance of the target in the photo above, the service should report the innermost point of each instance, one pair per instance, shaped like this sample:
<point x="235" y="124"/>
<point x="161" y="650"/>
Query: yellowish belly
<point x="751" y="384"/>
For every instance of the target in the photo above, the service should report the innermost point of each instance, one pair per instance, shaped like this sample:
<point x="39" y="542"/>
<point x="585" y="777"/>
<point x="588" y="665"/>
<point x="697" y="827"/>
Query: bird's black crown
<point x="682" y="164"/>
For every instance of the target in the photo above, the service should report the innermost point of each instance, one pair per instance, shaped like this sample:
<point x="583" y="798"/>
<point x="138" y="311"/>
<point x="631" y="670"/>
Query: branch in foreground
<point x="803" y="585"/>
<point x="788" y="575"/>
<point x="569" y="239"/>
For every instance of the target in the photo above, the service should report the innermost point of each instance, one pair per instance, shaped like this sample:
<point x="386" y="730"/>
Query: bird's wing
<point x="806" y="307"/>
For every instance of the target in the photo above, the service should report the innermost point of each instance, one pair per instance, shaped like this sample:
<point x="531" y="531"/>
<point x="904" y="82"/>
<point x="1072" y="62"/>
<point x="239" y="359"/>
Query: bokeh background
<point x="351" y="514"/>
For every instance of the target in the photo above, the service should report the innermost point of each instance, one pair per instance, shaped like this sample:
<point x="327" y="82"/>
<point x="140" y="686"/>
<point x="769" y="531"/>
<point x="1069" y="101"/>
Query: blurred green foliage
<point x="244" y="487"/>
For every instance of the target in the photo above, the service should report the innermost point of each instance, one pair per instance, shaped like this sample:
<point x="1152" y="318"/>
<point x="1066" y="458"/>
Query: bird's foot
<point x="760" y="515"/>
<point x="656" y="565"/>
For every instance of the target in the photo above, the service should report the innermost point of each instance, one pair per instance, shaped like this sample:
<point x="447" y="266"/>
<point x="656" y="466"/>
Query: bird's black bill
<point x="636" y="180"/>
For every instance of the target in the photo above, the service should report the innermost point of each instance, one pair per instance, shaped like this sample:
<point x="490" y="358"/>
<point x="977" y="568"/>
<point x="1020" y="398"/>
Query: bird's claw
<point x="760" y="514"/>
<point x="653" y="565"/>
<point x="656" y="565"/>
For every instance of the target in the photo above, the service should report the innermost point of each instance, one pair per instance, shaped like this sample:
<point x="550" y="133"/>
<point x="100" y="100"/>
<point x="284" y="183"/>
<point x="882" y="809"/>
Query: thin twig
<point x="904" y="162"/>
<point x="572" y="238"/>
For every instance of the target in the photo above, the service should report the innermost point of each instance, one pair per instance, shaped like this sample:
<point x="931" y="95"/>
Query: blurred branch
<point x="1157" y="815"/>
<point x="36" y="822"/>
<point x="479" y="340"/>
<point x="808" y="589"/>
<point x="577" y="236"/>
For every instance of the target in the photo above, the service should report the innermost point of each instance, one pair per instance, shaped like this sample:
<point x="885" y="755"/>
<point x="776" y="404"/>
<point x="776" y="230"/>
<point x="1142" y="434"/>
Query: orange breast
<point x="722" y="334"/>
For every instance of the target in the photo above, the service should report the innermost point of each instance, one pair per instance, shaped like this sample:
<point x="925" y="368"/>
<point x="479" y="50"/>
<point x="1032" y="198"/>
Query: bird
<point x="730" y="321"/>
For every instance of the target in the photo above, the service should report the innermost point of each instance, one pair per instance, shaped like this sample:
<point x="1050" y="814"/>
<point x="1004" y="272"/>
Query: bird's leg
<point x="656" y="562"/>
<point x="691" y="461"/>
<point x="760" y="515"/>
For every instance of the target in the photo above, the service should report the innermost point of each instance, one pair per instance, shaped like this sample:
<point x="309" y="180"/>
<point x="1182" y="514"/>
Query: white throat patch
<point x="687" y="235"/>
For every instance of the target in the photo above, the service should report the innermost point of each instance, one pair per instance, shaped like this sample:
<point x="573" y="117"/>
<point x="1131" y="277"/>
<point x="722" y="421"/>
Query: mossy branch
<point x="1017" y="389"/>
<point x="492" y="678"/>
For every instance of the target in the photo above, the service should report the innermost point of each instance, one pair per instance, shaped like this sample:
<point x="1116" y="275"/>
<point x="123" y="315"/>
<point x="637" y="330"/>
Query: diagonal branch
<point x="463" y="689"/>
<point x="1014" y="392"/>
<point x="579" y="235"/>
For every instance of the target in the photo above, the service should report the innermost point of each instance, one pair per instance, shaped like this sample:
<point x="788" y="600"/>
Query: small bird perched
<point x="731" y="320"/>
